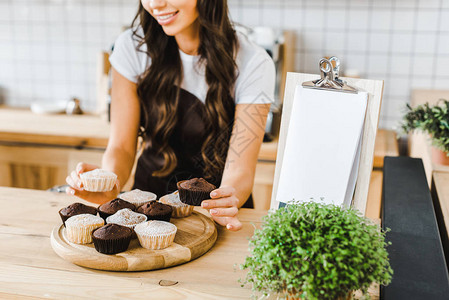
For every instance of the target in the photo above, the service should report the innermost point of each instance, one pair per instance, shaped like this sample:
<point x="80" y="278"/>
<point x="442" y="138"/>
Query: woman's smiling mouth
<point x="165" y="19"/>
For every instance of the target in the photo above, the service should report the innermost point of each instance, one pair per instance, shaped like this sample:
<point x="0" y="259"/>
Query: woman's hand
<point x="76" y="186"/>
<point x="223" y="207"/>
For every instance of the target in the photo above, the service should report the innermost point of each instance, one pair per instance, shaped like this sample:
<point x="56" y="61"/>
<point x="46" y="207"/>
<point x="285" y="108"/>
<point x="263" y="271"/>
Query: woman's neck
<point x="189" y="39"/>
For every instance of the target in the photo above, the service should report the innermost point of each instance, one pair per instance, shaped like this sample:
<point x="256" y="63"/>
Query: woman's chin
<point x="170" y="31"/>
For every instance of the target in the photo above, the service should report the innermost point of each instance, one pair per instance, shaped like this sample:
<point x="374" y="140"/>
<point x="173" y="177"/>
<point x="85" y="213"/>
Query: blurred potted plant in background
<point x="312" y="250"/>
<point x="434" y="120"/>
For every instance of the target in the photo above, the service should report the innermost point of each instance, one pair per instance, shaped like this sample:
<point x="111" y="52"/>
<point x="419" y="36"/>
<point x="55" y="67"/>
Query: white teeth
<point x="166" y="16"/>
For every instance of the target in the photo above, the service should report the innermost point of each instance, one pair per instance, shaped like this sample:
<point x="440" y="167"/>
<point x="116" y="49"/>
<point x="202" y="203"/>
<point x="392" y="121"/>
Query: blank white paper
<point x="322" y="147"/>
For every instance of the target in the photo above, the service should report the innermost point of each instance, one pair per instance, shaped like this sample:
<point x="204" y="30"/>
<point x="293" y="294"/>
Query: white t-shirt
<point x="255" y="77"/>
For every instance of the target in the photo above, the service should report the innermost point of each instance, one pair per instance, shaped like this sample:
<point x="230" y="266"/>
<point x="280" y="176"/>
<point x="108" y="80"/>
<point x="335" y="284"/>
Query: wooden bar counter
<point x="30" y="267"/>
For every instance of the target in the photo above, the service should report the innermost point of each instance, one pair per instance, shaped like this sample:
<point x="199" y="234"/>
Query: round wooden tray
<point x="195" y="236"/>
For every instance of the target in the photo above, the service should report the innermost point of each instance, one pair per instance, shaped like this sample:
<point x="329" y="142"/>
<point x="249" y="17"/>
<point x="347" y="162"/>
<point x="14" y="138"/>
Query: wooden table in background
<point x="38" y="151"/>
<point x="24" y="126"/>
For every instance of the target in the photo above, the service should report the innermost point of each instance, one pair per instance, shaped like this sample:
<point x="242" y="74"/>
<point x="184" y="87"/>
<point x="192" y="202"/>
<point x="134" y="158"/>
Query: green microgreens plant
<point x="313" y="250"/>
<point x="433" y="120"/>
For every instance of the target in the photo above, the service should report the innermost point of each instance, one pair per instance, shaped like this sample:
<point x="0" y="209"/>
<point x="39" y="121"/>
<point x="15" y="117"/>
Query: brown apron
<point x="186" y="141"/>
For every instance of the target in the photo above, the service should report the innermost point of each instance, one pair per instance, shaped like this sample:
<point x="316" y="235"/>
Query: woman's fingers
<point x="224" y="212"/>
<point x="76" y="186"/>
<point x="223" y="207"/>
<point x="224" y="191"/>
<point x="234" y="224"/>
<point x="95" y="197"/>
<point x="223" y="202"/>
<point x="231" y="223"/>
<point x="83" y="167"/>
<point x="76" y="180"/>
<point x="75" y="192"/>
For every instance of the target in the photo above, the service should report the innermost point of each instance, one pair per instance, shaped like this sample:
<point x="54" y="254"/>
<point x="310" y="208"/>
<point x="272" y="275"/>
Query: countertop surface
<point x="24" y="126"/>
<point x="30" y="268"/>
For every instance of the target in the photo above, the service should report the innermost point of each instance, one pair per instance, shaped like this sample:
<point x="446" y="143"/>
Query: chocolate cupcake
<point x="156" y="211"/>
<point x="194" y="191"/>
<point x="76" y="209"/>
<point x="113" y="206"/>
<point x="112" y="238"/>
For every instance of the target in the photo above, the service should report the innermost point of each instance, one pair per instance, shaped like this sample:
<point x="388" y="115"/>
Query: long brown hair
<point x="158" y="88"/>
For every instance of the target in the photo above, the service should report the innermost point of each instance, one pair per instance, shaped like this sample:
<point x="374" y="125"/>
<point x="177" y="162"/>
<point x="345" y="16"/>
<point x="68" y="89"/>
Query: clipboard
<point x="331" y="82"/>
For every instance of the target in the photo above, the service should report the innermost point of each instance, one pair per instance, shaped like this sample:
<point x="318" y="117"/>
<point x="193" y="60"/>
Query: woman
<point x="198" y="93"/>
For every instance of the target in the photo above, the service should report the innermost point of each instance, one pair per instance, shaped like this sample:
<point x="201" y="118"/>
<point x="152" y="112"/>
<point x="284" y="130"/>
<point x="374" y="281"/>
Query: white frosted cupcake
<point x="127" y="218"/>
<point x="98" y="180"/>
<point x="138" y="197"/>
<point x="155" y="235"/>
<point x="79" y="228"/>
<point x="180" y="210"/>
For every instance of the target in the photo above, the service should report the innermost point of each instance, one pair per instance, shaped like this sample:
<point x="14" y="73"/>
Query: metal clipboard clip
<point x="329" y="78"/>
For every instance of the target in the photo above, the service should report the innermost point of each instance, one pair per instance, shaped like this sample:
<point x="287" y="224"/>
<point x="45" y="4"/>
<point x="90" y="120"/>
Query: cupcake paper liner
<point x="111" y="246"/>
<point x="192" y="197"/>
<point x="182" y="211"/>
<point x="98" y="184"/>
<point x="81" y="234"/>
<point x="156" y="242"/>
<point x="156" y="235"/>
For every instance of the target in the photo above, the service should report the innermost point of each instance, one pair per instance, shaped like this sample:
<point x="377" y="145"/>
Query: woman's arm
<point x="238" y="175"/>
<point x="244" y="147"/>
<point x="125" y="117"/>
<point x="121" y="150"/>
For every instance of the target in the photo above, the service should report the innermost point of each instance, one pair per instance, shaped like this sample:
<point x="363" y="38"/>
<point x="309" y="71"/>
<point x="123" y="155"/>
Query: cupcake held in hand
<point x="194" y="191"/>
<point x="98" y="180"/>
<point x="79" y="228"/>
<point x="76" y="209"/>
<point x="112" y="238"/>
